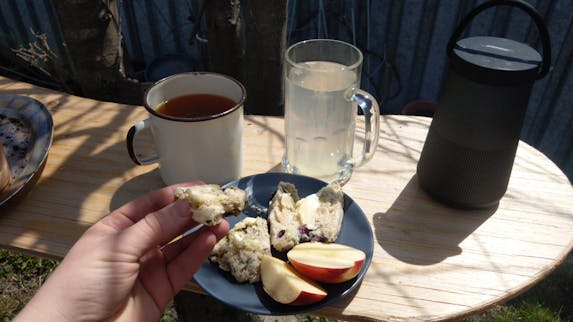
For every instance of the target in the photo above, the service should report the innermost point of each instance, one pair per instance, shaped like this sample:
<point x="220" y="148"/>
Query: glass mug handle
<point x="371" y="111"/>
<point x="140" y="126"/>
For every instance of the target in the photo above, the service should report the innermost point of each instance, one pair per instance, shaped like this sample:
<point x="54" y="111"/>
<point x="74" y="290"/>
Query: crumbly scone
<point x="209" y="203"/>
<point x="283" y="222"/>
<point x="317" y="217"/>
<point x="321" y="214"/>
<point x="240" y="252"/>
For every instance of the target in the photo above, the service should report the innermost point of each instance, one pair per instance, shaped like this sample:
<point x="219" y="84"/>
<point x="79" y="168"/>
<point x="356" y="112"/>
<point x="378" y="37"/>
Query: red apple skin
<point x="322" y="271"/>
<point x="306" y="298"/>
<point x="328" y="275"/>
<point x="285" y="285"/>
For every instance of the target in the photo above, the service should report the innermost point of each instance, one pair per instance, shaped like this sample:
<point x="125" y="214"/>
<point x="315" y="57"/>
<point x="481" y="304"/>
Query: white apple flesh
<point x="327" y="262"/>
<point x="286" y="286"/>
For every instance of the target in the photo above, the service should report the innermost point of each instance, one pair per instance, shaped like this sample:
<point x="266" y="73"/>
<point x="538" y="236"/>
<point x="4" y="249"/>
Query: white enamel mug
<point x="207" y="148"/>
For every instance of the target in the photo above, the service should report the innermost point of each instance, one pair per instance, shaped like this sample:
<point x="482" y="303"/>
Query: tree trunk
<point x="93" y="40"/>
<point x="225" y="37"/>
<point x="266" y="39"/>
<point x="250" y="48"/>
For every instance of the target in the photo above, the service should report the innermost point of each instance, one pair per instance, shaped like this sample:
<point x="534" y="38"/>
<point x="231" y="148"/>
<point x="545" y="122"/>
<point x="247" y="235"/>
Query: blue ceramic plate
<point x="355" y="232"/>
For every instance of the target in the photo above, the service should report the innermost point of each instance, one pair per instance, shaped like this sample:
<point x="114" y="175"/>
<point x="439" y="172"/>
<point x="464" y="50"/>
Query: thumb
<point x="157" y="228"/>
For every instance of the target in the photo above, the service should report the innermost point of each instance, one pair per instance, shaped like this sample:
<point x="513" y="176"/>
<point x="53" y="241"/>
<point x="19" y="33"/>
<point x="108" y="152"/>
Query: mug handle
<point x="371" y="111"/>
<point x="131" y="137"/>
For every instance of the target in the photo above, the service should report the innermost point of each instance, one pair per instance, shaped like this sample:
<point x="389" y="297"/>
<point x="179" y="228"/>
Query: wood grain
<point x="431" y="262"/>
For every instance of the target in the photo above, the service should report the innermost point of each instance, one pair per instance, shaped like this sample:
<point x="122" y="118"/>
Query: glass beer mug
<point x="322" y="79"/>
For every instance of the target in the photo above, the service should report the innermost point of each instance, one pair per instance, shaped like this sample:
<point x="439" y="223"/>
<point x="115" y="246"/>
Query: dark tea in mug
<point x="193" y="117"/>
<point x="196" y="105"/>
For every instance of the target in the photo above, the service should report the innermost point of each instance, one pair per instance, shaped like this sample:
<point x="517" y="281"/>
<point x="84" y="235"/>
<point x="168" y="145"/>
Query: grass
<point x="20" y="277"/>
<point x="549" y="301"/>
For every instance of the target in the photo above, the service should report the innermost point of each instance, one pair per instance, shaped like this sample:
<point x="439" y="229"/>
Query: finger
<point x="221" y="230"/>
<point x="154" y="264"/>
<point x="133" y="211"/>
<point x="182" y="268"/>
<point x="156" y="272"/>
<point x="172" y="250"/>
<point x="157" y="228"/>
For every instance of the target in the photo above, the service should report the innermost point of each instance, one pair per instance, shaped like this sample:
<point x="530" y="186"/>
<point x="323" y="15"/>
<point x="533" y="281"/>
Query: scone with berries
<point x="317" y="217"/>
<point x="240" y="252"/>
<point x="283" y="221"/>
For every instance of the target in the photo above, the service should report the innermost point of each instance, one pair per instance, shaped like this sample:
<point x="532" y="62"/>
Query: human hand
<point x="123" y="267"/>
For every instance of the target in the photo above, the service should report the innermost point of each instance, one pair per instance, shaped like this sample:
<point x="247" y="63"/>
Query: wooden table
<point x="430" y="262"/>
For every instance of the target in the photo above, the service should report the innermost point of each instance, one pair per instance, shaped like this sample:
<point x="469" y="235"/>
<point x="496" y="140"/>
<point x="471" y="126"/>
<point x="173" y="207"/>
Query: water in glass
<point x="320" y="120"/>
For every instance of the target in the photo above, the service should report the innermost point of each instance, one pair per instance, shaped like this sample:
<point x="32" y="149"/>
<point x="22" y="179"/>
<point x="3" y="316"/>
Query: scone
<point x="209" y="203"/>
<point x="321" y="214"/>
<point x="283" y="221"/>
<point x="317" y="217"/>
<point x="240" y="252"/>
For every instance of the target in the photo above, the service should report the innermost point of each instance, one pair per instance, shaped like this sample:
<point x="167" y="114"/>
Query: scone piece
<point x="317" y="217"/>
<point x="321" y="214"/>
<point x="240" y="252"/>
<point x="284" y="224"/>
<point x="209" y="203"/>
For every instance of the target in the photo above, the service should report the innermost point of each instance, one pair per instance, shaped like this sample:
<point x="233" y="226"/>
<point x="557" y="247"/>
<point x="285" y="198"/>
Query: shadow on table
<point x="124" y="193"/>
<point x="74" y="172"/>
<point x="424" y="234"/>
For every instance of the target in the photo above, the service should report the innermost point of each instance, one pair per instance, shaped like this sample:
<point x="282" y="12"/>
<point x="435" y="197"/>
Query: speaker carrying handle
<point x="530" y="10"/>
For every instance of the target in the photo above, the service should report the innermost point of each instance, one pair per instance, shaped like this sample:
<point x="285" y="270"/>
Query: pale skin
<point x="124" y="267"/>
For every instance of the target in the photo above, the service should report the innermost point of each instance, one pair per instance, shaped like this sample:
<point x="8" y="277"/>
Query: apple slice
<point x="326" y="262"/>
<point x="285" y="285"/>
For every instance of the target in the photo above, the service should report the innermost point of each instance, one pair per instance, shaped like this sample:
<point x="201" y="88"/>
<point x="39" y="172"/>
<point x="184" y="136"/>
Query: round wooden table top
<point x="430" y="262"/>
<point x="433" y="262"/>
